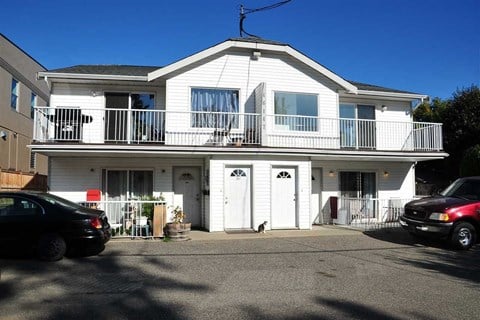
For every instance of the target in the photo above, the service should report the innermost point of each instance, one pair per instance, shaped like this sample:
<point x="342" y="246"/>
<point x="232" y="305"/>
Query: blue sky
<point x="424" y="46"/>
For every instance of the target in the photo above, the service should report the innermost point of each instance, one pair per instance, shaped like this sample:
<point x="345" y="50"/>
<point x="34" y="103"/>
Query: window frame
<point x="202" y="118"/>
<point x="352" y="131"/>
<point x="14" y="94"/>
<point x="359" y="179"/>
<point x="296" y="121"/>
<point x="35" y="209"/>
<point x="33" y="103"/>
<point x="33" y="160"/>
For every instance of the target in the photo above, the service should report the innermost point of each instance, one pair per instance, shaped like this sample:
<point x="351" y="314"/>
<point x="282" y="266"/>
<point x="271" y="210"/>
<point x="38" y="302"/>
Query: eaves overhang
<point x="83" y="76"/>
<point x="156" y="151"/>
<point x="400" y="95"/>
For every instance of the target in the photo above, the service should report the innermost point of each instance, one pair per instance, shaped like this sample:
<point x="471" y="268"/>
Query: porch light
<point x="3" y="135"/>
<point x="384" y="108"/>
<point x="331" y="173"/>
<point x="386" y="174"/>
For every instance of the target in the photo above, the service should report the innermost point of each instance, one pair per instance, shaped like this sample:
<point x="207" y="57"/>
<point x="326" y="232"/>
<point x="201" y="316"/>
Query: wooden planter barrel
<point x="178" y="231"/>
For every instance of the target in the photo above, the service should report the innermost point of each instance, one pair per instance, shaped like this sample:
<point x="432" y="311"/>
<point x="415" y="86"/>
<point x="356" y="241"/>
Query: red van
<point x="453" y="214"/>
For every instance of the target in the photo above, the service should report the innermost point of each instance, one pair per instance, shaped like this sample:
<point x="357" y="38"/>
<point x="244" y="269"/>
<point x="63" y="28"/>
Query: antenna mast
<point x="244" y="11"/>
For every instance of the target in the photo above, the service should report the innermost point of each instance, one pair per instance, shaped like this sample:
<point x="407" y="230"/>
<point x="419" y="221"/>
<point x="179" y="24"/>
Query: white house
<point x="243" y="132"/>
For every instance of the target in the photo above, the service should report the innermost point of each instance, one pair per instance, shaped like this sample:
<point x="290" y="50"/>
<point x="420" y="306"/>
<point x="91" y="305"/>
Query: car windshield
<point x="53" y="199"/>
<point x="463" y="188"/>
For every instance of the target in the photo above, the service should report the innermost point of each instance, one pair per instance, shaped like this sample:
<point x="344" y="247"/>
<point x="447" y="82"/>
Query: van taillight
<point x="96" y="223"/>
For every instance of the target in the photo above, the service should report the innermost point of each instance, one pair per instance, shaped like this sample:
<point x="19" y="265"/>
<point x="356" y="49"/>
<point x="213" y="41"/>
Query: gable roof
<point x="374" y="90"/>
<point x="101" y="72"/>
<point x="150" y="73"/>
<point x="372" y="87"/>
<point x="112" y="69"/>
<point x="254" y="44"/>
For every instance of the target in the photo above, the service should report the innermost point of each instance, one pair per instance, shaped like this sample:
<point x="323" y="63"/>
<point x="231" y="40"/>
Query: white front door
<point x="284" y="213"/>
<point x="186" y="182"/>
<point x="316" y="196"/>
<point x="237" y="198"/>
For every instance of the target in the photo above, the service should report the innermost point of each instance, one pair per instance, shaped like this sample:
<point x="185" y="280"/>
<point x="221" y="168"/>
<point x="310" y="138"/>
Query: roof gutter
<point x="84" y="76"/>
<point x="414" y="96"/>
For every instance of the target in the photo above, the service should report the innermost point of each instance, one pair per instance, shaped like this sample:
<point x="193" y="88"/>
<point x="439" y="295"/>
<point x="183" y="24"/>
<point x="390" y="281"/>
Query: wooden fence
<point x="22" y="181"/>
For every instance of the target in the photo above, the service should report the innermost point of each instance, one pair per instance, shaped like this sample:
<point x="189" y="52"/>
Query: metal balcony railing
<point x="128" y="218"/>
<point x="370" y="213"/>
<point x="124" y="126"/>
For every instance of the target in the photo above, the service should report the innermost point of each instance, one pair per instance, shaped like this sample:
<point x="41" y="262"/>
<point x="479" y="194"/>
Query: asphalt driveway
<point x="343" y="275"/>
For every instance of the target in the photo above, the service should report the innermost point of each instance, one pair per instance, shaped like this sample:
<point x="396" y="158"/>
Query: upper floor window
<point x="14" y="97"/>
<point x="214" y="108"/>
<point x="296" y="111"/>
<point x="33" y="103"/>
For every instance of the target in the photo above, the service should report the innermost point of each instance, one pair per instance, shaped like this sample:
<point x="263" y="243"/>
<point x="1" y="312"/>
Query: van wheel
<point x="463" y="236"/>
<point x="51" y="247"/>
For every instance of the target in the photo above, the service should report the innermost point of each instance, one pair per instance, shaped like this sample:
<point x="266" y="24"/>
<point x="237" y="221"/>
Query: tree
<point x="460" y="117"/>
<point x="430" y="112"/>
<point x="470" y="165"/>
<point x="461" y="126"/>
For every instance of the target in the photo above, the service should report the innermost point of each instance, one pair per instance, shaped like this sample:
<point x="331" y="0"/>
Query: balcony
<point x="174" y="128"/>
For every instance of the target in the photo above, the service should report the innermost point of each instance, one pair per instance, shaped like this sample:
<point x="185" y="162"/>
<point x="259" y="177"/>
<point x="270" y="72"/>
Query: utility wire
<point x="245" y="11"/>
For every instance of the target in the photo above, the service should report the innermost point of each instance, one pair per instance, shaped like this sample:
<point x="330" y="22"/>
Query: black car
<point x="50" y="225"/>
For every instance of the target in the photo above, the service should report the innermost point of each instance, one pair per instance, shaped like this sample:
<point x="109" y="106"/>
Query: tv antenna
<point x="244" y="11"/>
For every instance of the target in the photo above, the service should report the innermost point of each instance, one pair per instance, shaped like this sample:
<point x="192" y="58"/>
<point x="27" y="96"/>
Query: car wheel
<point x="463" y="236"/>
<point x="51" y="247"/>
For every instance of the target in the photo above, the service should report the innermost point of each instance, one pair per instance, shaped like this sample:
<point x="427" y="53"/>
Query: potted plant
<point x="146" y="218"/>
<point x="147" y="207"/>
<point x="178" y="230"/>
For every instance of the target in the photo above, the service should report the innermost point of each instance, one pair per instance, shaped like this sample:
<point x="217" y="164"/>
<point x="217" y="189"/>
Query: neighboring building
<point x="245" y="131"/>
<point x="20" y="91"/>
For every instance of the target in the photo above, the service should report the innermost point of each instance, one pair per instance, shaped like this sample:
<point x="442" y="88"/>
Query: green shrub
<point x="470" y="165"/>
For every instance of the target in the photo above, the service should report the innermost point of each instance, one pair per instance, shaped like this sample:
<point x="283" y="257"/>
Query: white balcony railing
<point x="100" y="125"/>
<point x="370" y="212"/>
<point x="132" y="218"/>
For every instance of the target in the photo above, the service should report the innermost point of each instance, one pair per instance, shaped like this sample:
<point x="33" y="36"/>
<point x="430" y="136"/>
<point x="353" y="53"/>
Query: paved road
<point x="382" y="275"/>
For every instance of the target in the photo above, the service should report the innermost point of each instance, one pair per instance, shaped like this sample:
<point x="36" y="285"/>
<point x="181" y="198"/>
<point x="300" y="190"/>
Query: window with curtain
<point x="214" y="108"/>
<point x="296" y="111"/>
<point x="141" y="183"/>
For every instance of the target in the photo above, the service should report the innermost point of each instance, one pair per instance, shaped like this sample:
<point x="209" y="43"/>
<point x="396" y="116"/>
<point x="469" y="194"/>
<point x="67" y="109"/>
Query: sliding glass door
<point x="123" y="186"/>
<point x="357" y="126"/>
<point x="129" y="117"/>
<point x="358" y="191"/>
